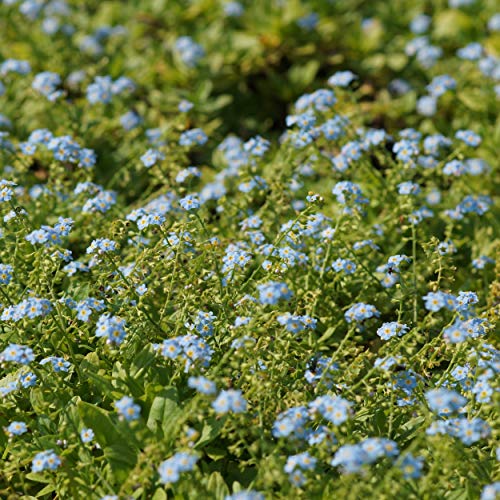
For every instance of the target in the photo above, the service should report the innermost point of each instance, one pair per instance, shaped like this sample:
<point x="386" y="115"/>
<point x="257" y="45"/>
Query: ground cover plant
<point x="249" y="250"/>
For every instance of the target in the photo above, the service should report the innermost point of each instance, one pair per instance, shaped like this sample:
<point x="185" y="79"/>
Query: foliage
<point x="249" y="250"/>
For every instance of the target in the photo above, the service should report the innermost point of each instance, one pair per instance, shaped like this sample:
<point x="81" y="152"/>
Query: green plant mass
<point x="249" y="250"/>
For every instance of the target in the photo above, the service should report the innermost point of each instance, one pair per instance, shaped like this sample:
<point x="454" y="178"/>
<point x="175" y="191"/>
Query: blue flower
<point x="346" y="191"/>
<point x="350" y="458"/>
<point x="14" y="66"/>
<point x="341" y="79"/>
<point x="170" y="469"/>
<point x="102" y="245"/>
<point x="411" y="466"/>
<point x="185" y="105"/>
<point x="186" y="174"/>
<point x="360" y="312"/>
<point x="46" y="83"/>
<point x="334" y="409"/>
<point x="345" y="265"/>
<point x="434" y="301"/>
<point x="86" y="435"/>
<point x="189" y="51"/>
<point x="203" y="385"/>
<point x="454" y="167"/>
<point x="491" y="491"/>
<point x="100" y="90"/>
<point x="321" y="370"/>
<point x="127" y="409"/>
<point x="190" y="202"/>
<point x="440" y="85"/>
<point x="420" y="24"/>
<point x="309" y="21"/>
<point x="45" y="460"/>
<point x="111" y="328"/>
<point x="297" y="463"/>
<point x="291" y="322"/>
<point x="482" y="261"/>
<point x="389" y="330"/>
<point x="256" y="146"/>
<point x="469" y="137"/>
<point x="245" y="495"/>
<point x="27" y="379"/>
<point x="230" y="400"/>
<point x="130" y="120"/>
<point x="471" y="52"/>
<point x="16" y="353"/>
<point x="427" y="105"/>
<point x="405" y="150"/>
<point x="272" y="292"/>
<point x="6" y="191"/>
<point x="192" y="137"/>
<point x="16" y="429"/>
<point x="151" y="157"/>
<point x="444" y="401"/>
<point x="190" y="348"/>
<point x="6" y="271"/>
<point x="58" y="364"/>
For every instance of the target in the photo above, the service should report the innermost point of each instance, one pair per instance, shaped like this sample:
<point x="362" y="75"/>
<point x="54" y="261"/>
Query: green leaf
<point x="473" y="100"/>
<point x="37" y="400"/>
<point x="203" y="91"/>
<point x="164" y="411"/>
<point x="142" y="361"/>
<point x="380" y="421"/>
<point x="329" y="332"/>
<point x="90" y="366"/>
<point x="217" y="486"/>
<point x="44" y="491"/>
<point x="211" y="429"/>
<point x="397" y="61"/>
<point x="159" y="494"/>
<point x="125" y="382"/>
<point x="122" y="459"/>
<point x="218" y="103"/>
<point x="38" y="477"/>
<point x="450" y="23"/>
<point x="244" y="41"/>
<point x="302" y="75"/>
<point x="460" y="494"/>
<point x="215" y="453"/>
<point x="98" y="420"/>
<point x="100" y="382"/>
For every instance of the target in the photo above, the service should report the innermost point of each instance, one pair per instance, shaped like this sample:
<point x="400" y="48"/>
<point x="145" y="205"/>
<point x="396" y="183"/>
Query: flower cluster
<point x="29" y="308"/>
<point x="389" y="330"/>
<point x="127" y="409"/>
<point x="15" y="353"/>
<point x="45" y="460"/>
<point x="111" y="328"/>
<point x="295" y="323"/>
<point x="229" y="401"/>
<point x="273" y="291"/>
<point x="360" y="312"/>
<point x="191" y="349"/>
<point x="170" y="469"/>
<point x="189" y="51"/>
<point x="244" y="262"/>
<point x="103" y="88"/>
<point x="46" y="83"/>
<point x="48" y="235"/>
<point x="352" y="457"/>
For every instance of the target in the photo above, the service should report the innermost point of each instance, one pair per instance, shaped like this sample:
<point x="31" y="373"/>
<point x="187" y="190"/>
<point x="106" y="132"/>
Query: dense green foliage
<point x="249" y="250"/>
